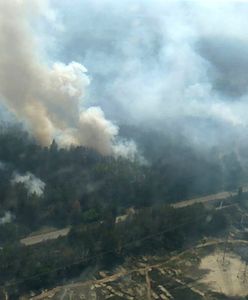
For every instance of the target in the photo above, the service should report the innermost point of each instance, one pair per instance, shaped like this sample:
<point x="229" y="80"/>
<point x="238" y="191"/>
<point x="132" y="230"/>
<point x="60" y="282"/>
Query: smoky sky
<point x="174" y="63"/>
<point x="229" y="57"/>
<point x="154" y="60"/>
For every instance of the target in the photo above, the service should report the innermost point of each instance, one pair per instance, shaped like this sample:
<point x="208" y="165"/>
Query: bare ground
<point x="227" y="275"/>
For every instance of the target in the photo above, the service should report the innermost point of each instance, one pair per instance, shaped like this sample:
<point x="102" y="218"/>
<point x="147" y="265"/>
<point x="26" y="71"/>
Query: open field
<point x="228" y="277"/>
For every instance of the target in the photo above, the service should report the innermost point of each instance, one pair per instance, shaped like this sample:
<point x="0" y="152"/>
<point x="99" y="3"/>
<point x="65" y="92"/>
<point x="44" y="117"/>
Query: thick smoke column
<point x="33" y="184"/>
<point x="47" y="98"/>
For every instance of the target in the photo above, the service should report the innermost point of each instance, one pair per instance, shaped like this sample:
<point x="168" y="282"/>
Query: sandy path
<point x="35" y="239"/>
<point x="208" y="198"/>
<point x="148" y="285"/>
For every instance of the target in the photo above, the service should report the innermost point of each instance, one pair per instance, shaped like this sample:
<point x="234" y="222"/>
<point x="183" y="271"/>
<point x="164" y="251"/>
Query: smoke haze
<point x="163" y="62"/>
<point x="177" y="65"/>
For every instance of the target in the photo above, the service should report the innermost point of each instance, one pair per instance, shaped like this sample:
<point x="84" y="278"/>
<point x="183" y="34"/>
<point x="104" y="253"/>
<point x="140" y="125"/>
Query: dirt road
<point x="35" y="239"/>
<point x="212" y="197"/>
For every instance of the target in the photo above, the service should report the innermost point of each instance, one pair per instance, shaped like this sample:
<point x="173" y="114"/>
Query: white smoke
<point x="48" y="99"/>
<point x="33" y="184"/>
<point x="128" y="149"/>
<point x="162" y="61"/>
<point x="7" y="218"/>
<point x="2" y="165"/>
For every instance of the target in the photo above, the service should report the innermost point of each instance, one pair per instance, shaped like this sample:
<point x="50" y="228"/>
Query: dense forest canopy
<point x="54" y="186"/>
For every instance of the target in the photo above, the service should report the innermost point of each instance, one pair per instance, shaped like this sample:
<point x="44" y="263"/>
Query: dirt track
<point x="32" y="240"/>
<point x="213" y="197"/>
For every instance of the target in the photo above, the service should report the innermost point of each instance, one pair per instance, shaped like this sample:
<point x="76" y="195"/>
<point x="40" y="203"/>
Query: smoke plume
<point x="33" y="184"/>
<point x="7" y="218"/>
<point x="48" y="97"/>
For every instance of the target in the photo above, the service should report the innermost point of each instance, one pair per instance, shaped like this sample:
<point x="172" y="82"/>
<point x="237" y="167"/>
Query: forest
<point x="78" y="187"/>
<point x="59" y="187"/>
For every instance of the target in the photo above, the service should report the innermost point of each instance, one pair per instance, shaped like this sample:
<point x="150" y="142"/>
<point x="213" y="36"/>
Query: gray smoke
<point x="48" y="97"/>
<point x="2" y="165"/>
<point x="33" y="184"/>
<point x="7" y="218"/>
<point x="162" y="60"/>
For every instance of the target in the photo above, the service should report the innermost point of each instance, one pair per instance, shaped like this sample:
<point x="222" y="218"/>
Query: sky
<point x="176" y="64"/>
<point x="151" y="59"/>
